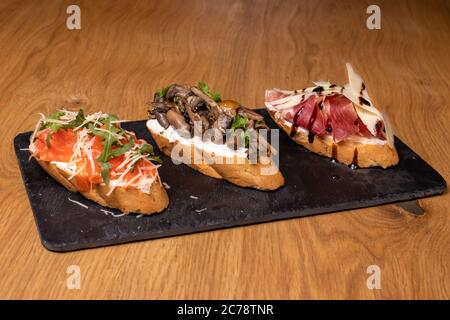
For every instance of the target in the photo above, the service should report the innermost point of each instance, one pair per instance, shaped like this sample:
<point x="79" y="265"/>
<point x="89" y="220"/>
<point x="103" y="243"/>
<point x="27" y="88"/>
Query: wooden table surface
<point x="126" y="49"/>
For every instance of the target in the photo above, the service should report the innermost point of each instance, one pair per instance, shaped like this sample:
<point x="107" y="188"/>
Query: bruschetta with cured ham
<point x="339" y="122"/>
<point x="94" y="156"/>
<point x="219" y="138"/>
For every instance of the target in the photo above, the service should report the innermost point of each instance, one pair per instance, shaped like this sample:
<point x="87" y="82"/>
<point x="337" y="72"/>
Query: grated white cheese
<point x="106" y="212"/>
<point x="78" y="203"/>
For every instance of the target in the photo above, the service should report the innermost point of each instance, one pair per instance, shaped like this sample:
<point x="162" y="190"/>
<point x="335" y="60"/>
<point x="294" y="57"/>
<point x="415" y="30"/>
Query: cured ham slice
<point x="288" y="114"/>
<point x="363" y="131"/>
<point x="303" y="117"/>
<point x="344" y="119"/>
<point x="319" y="125"/>
<point x="273" y="95"/>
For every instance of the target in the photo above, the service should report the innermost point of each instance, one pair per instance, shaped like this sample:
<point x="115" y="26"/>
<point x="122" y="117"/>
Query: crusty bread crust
<point x="238" y="171"/>
<point x="347" y="152"/>
<point x="125" y="199"/>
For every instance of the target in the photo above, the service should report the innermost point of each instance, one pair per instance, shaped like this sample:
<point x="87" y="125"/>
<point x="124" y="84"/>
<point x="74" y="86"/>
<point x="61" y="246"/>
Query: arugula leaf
<point x="245" y="137"/>
<point x="105" y="167"/>
<point x="205" y="89"/>
<point x="56" y="115"/>
<point x="155" y="158"/>
<point x="121" y="150"/>
<point x="110" y="117"/>
<point x="79" y="119"/>
<point x="48" y="139"/>
<point x="240" y="122"/>
<point x="107" y="142"/>
<point x="162" y="92"/>
<point x="148" y="149"/>
<point x="53" y="126"/>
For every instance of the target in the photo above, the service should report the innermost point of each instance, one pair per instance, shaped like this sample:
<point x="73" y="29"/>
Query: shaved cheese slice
<point x="368" y="114"/>
<point x="369" y="119"/>
<point x="356" y="89"/>
<point x="322" y="83"/>
<point x="288" y="92"/>
<point x="287" y="102"/>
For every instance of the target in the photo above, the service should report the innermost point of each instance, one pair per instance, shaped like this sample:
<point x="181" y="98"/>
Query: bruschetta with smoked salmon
<point x="93" y="155"/>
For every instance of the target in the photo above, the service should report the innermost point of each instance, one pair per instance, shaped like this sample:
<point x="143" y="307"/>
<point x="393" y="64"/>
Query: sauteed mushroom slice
<point x="261" y="125"/>
<point x="250" y="114"/>
<point x="157" y="98"/>
<point x="157" y="107"/>
<point x="210" y="103"/>
<point x="177" y="90"/>
<point x="223" y="122"/>
<point x="177" y="120"/>
<point x="162" y="119"/>
<point x="195" y="102"/>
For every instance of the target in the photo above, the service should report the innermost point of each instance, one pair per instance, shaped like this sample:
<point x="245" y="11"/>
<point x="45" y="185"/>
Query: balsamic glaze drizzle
<point x="334" y="151"/>
<point x="321" y="105"/>
<point x="355" y="157"/>
<point x="364" y="101"/>
<point x="318" y="89"/>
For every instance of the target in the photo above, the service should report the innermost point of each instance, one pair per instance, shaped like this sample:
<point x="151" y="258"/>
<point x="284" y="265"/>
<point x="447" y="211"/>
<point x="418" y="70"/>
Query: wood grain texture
<point x="126" y="49"/>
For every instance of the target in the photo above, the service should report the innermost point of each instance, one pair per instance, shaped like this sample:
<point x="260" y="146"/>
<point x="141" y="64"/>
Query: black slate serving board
<point x="314" y="185"/>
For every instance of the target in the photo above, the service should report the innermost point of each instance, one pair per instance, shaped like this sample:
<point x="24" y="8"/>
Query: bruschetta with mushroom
<point x="220" y="138"/>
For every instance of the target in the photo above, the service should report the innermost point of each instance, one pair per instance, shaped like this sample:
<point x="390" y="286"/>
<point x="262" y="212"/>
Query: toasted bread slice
<point x="125" y="199"/>
<point x="346" y="152"/>
<point x="235" y="169"/>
